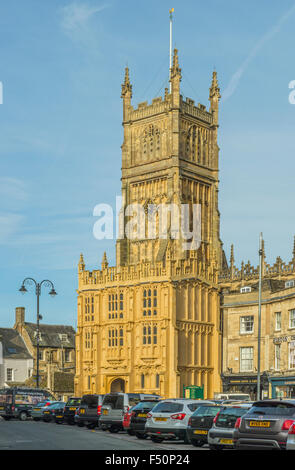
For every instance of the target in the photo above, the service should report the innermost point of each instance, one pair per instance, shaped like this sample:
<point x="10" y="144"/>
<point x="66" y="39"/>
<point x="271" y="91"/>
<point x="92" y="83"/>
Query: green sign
<point x="193" y="391"/>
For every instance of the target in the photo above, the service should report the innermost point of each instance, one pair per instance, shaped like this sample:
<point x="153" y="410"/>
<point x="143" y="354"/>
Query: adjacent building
<point x="152" y="322"/>
<point x="240" y="328"/>
<point x="16" y="363"/>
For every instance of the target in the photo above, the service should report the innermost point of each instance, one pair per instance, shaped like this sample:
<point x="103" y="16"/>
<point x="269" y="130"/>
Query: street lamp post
<point x="259" y="317"/>
<point x="23" y="290"/>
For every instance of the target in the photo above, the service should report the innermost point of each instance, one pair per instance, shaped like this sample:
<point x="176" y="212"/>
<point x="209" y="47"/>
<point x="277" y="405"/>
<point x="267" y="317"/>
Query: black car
<point x="51" y="411"/>
<point x="70" y="409"/>
<point x="17" y="402"/>
<point x="139" y="416"/>
<point x="89" y="411"/>
<point x="200" y="422"/>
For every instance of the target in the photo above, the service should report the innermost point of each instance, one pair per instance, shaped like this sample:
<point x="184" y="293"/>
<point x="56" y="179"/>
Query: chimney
<point x="19" y="315"/>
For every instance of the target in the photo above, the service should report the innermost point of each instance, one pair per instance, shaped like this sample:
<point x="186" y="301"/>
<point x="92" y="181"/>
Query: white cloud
<point x="234" y="81"/>
<point x="75" y="20"/>
<point x="9" y="224"/>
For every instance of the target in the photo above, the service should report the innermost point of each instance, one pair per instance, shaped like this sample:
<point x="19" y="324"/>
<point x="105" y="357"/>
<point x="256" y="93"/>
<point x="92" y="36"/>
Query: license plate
<point x="46" y="412"/>
<point x="82" y="412"/>
<point x="1" y="407"/>
<point x="226" y="441"/>
<point x="72" y="409"/>
<point x="59" y="416"/>
<point x="105" y="412"/>
<point x="200" y="431"/>
<point x="37" y="409"/>
<point x="141" y="415"/>
<point x="260" y="424"/>
<point x="160" y="419"/>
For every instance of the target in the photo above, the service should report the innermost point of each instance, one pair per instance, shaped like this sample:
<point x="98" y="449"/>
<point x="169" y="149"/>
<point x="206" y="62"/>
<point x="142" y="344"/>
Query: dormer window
<point x="63" y="337"/>
<point x="245" y="289"/>
<point x="290" y="283"/>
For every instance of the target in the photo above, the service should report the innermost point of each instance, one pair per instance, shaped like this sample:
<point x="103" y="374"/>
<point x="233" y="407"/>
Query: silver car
<point x="290" y="443"/>
<point x="220" y="436"/>
<point x="37" y="410"/>
<point x="265" y="425"/>
<point x="169" y="419"/>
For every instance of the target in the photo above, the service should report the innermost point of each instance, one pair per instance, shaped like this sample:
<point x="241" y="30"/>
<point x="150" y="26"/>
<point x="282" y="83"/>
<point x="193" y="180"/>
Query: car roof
<point x="274" y="401"/>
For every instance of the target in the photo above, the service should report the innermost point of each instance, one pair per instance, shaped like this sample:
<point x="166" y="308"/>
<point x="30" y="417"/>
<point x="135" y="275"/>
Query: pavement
<point x="31" y="435"/>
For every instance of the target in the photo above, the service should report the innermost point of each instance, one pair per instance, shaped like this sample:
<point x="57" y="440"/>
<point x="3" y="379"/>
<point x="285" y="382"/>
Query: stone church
<point x="151" y="323"/>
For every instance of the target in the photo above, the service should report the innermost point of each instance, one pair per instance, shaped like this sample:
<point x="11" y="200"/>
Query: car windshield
<point x="116" y="402"/>
<point x="275" y="409"/>
<point x="227" y="417"/>
<point x="168" y="407"/>
<point x="74" y="401"/>
<point x="145" y="405"/>
<point x="207" y="411"/>
<point x="90" y="400"/>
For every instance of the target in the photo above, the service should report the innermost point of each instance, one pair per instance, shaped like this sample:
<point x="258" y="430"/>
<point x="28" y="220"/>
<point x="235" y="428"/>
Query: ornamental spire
<point x="81" y="264"/>
<point x="104" y="263"/>
<point x="126" y="86"/>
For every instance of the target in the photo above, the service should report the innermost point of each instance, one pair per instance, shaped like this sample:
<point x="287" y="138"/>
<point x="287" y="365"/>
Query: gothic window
<point x="150" y="302"/>
<point x="149" y="334"/>
<point x="151" y="142"/>
<point x="142" y="380"/>
<point x="157" y="381"/>
<point x="116" y="306"/>
<point x="116" y="337"/>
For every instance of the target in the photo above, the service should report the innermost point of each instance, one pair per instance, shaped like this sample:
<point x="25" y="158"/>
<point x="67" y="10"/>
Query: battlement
<point x="147" y="272"/>
<point x="158" y="105"/>
<point x="247" y="272"/>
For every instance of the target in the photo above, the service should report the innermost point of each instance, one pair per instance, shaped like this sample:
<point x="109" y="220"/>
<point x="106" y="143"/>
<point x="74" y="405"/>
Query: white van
<point x="232" y="396"/>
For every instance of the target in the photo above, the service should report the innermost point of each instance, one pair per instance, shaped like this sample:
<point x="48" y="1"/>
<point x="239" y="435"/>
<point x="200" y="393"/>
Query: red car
<point x="126" y="421"/>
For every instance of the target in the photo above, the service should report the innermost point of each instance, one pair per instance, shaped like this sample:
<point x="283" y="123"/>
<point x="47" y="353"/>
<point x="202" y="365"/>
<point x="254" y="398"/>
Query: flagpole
<point x="170" y="52"/>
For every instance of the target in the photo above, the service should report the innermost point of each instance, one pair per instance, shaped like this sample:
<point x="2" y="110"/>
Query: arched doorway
<point x="118" y="385"/>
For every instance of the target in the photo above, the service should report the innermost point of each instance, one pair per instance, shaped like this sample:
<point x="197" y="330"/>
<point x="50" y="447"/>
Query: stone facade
<point x="152" y="323"/>
<point x="240" y="328"/>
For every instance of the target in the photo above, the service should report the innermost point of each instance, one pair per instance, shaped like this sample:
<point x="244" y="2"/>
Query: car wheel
<point x="157" y="439"/>
<point x="130" y="432"/>
<point x="140" y="436"/>
<point x="7" y="418"/>
<point x="81" y="425"/>
<point x="23" y="416"/>
<point x="114" y="429"/>
<point x="91" y="425"/>
<point x="36" y="419"/>
<point x="214" y="447"/>
<point x="197" y="443"/>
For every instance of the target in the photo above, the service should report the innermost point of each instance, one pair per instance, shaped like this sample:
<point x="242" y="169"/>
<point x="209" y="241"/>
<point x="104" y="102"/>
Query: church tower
<point x="170" y="156"/>
<point x="155" y="323"/>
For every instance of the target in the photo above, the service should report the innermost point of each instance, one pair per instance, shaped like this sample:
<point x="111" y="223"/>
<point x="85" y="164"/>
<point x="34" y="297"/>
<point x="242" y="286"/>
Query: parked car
<point x="37" y="410"/>
<point x="266" y="425"/>
<point x="169" y="418"/>
<point x="139" y="416"/>
<point x="220" y="436"/>
<point x="232" y="396"/>
<point x="89" y="411"/>
<point x="69" y="411"/>
<point x="50" y="411"/>
<point x="126" y="421"/>
<point x="290" y="443"/>
<point x="200" y="422"/>
<point x="17" y="402"/>
<point x="115" y="405"/>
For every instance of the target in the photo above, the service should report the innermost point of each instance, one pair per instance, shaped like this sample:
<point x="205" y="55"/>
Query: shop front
<point x="245" y="384"/>
<point x="282" y="387"/>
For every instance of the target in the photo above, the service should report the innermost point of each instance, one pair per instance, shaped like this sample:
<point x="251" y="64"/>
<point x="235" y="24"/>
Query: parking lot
<point x="30" y="435"/>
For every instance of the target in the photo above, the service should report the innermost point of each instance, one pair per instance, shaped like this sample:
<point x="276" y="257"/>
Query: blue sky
<point x="62" y="65"/>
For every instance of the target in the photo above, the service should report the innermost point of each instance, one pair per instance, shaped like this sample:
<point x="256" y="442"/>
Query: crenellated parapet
<point x="248" y="272"/>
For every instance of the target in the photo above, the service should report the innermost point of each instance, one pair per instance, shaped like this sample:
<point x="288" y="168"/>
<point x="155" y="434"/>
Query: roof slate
<point x="12" y="341"/>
